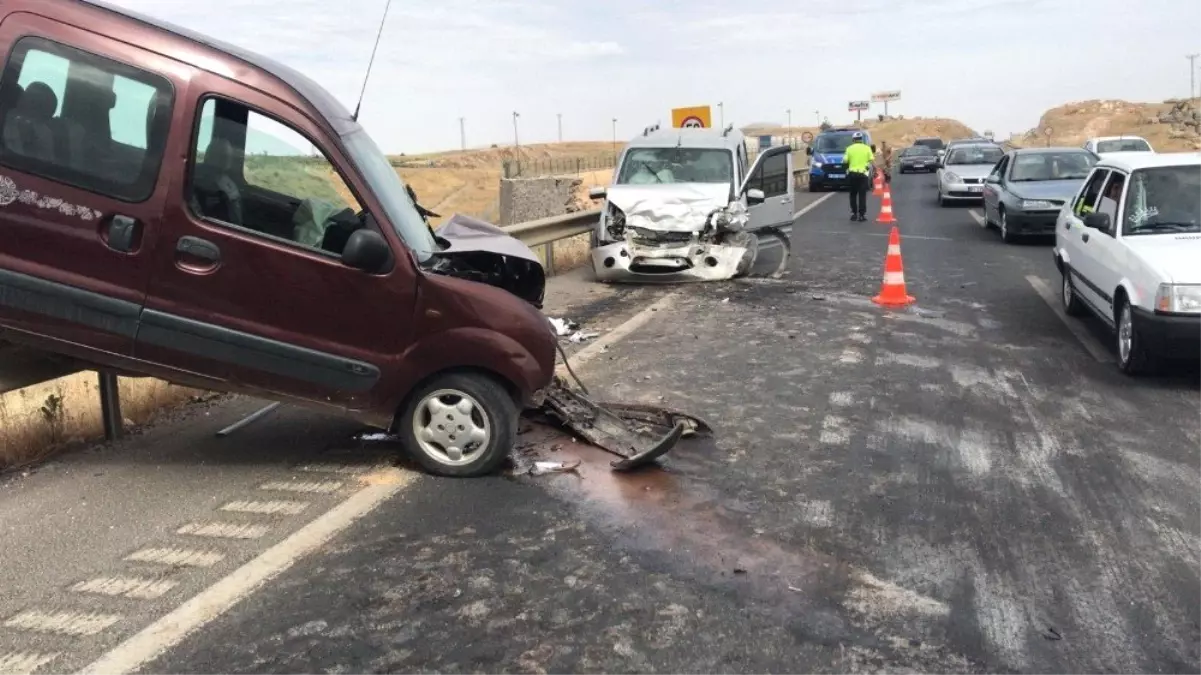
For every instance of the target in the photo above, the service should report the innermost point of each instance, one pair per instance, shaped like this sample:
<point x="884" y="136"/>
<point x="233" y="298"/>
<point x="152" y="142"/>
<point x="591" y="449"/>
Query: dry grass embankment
<point x="1171" y="126"/>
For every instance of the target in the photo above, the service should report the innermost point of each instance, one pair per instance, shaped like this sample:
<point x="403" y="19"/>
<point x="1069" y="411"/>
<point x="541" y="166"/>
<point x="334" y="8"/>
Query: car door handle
<point x="199" y="248"/>
<point x="1084" y="237"/>
<point x="121" y="233"/>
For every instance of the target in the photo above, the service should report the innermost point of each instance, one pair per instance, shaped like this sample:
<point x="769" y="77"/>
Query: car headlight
<point x="951" y="177"/>
<point x="615" y="222"/>
<point x="1037" y="204"/>
<point x="1178" y="298"/>
<point x="817" y="163"/>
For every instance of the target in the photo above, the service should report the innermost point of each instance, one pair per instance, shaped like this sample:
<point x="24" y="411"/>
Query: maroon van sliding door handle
<point x="196" y="254"/>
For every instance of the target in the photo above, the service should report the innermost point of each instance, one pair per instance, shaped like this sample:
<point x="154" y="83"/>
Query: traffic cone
<point x="885" y="216"/>
<point x="878" y="185"/>
<point x="892" y="292"/>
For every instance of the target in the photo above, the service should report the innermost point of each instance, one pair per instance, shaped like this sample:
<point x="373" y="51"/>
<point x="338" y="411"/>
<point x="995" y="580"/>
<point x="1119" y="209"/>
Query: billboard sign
<point x="885" y="96"/>
<point x="858" y="105"/>
<point x="694" y="117"/>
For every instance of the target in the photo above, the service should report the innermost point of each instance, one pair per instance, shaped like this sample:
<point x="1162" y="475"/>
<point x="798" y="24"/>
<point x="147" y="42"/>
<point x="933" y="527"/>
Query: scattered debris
<point x="1052" y="634"/>
<point x="543" y="468"/>
<point x="794" y="588"/>
<point x="563" y="327"/>
<point x="378" y="437"/>
<point x="739" y="570"/>
<point x="582" y="336"/>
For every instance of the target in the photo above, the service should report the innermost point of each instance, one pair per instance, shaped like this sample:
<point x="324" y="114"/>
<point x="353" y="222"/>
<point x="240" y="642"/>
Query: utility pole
<point x="1192" y="74"/>
<point x="560" y="127"/>
<point x="462" y="133"/>
<point x="516" y="142"/>
<point x="614" y="141"/>
<point x="789" y="111"/>
<point x="721" y="112"/>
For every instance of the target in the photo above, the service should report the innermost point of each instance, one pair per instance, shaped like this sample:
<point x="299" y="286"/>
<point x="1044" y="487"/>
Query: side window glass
<point x="84" y="120"/>
<point x="999" y="169"/>
<point x="1087" y="201"/>
<point x="774" y="175"/>
<point x="1111" y="196"/>
<point x="254" y="172"/>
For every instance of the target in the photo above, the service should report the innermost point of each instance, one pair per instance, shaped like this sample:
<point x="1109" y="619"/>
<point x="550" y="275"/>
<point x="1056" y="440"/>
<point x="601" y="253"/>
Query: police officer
<point x="859" y="158"/>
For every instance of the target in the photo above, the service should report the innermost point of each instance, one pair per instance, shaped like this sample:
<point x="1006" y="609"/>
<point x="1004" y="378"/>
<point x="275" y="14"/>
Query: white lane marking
<point x="23" y="662"/>
<point x="905" y="237"/>
<point x="633" y="323"/>
<point x="176" y="557"/>
<point x="812" y="205"/>
<point x="914" y="360"/>
<point x="842" y="399"/>
<point x="1090" y="343"/>
<point x="313" y="486"/>
<point x="62" y="623"/>
<point x="170" y="629"/>
<point x="129" y="587"/>
<point x="340" y="469"/>
<point x="835" y="431"/>
<point x="269" y="507"/>
<point x="977" y="216"/>
<point x="224" y="530"/>
<point x="818" y="513"/>
<point x="851" y="356"/>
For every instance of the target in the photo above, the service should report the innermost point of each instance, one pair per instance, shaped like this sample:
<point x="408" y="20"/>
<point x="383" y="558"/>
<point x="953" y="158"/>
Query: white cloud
<point x="991" y="63"/>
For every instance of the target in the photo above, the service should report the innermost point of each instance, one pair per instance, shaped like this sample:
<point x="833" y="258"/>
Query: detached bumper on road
<point x="621" y="261"/>
<point x="1032" y="222"/>
<point x="1169" y="335"/>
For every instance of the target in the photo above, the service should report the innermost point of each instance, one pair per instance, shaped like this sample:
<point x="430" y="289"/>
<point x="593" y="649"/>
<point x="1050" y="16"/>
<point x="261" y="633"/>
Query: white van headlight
<point x="1178" y="298"/>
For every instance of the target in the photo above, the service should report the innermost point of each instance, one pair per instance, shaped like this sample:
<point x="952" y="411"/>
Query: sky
<point x="992" y="64"/>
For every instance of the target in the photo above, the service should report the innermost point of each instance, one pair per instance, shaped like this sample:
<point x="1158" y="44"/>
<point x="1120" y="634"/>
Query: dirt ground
<point x="1073" y="123"/>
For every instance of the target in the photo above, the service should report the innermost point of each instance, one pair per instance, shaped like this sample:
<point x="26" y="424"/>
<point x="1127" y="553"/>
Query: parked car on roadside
<point x="962" y="172"/>
<point x="1104" y="146"/>
<point x="181" y="208"/>
<point x="1026" y="189"/>
<point x="918" y="158"/>
<point x="1128" y="249"/>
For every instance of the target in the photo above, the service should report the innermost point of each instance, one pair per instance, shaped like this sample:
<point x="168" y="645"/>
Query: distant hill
<point x="1173" y="125"/>
<point x="897" y="132"/>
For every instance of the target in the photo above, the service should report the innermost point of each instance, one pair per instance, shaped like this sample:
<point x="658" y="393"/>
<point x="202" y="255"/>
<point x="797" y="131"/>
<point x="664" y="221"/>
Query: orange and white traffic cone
<point x="892" y="292"/>
<point x="878" y="185"/>
<point x="885" y="216"/>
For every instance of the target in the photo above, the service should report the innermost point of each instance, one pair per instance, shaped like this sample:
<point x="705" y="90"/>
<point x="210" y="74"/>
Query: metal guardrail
<point x="549" y="230"/>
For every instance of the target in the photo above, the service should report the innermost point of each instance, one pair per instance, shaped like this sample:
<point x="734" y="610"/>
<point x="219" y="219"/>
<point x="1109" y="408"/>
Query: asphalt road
<point x="967" y="485"/>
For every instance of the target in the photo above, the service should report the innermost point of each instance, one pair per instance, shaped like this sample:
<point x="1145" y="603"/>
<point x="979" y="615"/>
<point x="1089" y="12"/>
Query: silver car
<point x="962" y="172"/>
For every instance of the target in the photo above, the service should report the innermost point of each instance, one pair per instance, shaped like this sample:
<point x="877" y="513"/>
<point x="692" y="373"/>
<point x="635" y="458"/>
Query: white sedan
<point x="1127" y="247"/>
<point x="962" y="172"/>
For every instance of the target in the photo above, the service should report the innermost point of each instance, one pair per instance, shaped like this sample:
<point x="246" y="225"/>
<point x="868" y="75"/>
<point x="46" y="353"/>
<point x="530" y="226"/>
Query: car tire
<point x="1133" y="359"/>
<point x="467" y="403"/>
<point x="941" y="201"/>
<point x="1072" y="304"/>
<point x="1007" y="235"/>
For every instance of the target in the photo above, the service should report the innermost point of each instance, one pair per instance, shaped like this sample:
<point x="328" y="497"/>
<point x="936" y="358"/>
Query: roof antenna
<point x="367" y="75"/>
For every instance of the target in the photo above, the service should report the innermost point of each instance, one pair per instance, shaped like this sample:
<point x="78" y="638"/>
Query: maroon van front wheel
<point x="459" y="424"/>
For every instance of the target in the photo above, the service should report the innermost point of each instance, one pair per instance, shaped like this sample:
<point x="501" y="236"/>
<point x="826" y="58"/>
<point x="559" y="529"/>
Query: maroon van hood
<point x="479" y="251"/>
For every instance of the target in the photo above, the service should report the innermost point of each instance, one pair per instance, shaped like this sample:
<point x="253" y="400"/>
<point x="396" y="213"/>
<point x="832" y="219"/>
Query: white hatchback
<point x="1128" y="246"/>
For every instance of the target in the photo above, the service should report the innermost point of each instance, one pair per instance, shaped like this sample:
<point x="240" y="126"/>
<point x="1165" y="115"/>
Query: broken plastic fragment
<point x="582" y="336"/>
<point x="381" y="436"/>
<point x="541" y="468"/>
<point x="563" y="326"/>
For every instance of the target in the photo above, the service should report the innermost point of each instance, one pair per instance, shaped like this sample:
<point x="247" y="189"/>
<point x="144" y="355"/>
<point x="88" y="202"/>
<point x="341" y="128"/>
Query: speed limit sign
<point x="807" y="136"/>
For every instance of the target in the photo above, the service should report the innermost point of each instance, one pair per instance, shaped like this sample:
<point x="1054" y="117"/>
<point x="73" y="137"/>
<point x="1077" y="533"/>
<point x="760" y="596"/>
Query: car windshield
<point x="1163" y="199"/>
<point x="1041" y="166"/>
<point x="1124" y="145"/>
<point x="919" y="151"/>
<point x="935" y="143"/>
<point x="830" y="143"/>
<point x="649" y="166"/>
<point x="391" y="192"/>
<point x="975" y="154"/>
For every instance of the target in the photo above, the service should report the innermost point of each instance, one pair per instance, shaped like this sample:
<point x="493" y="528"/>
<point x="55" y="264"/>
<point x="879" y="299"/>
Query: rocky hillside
<point x="1174" y="125"/>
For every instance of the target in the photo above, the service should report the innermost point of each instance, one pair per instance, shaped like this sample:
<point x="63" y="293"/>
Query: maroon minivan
<point x="180" y="208"/>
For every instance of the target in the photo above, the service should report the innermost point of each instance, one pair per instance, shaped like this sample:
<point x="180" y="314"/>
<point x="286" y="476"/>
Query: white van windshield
<point x="651" y="166"/>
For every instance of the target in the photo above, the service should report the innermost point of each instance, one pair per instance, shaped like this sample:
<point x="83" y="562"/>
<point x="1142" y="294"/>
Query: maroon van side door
<point x="84" y="126"/>
<point x="247" y="283"/>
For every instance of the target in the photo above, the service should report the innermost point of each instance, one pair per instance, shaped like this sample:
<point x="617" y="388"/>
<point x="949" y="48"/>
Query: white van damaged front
<point x="673" y="232"/>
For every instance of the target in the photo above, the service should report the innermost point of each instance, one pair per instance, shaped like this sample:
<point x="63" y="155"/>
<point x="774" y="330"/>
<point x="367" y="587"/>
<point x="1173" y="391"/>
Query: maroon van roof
<point x="328" y="106"/>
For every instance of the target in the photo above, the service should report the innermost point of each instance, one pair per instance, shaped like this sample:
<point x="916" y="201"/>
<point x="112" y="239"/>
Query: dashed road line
<point x="267" y="508"/>
<point x="176" y="557"/>
<point x="340" y="469"/>
<point x="851" y="356"/>
<point x="129" y="587"/>
<point x="169" y="630"/>
<point x="835" y="431"/>
<point x="906" y="237"/>
<point x="62" y="623"/>
<point x="313" y="486"/>
<point x="977" y="216"/>
<point x="1090" y="343"/>
<point x="812" y="205"/>
<point x="23" y="662"/>
<point x="224" y="530"/>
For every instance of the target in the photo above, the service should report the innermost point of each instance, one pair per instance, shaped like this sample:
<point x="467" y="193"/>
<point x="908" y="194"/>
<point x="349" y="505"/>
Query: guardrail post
<point x="110" y="406"/>
<point x="550" y="258"/>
